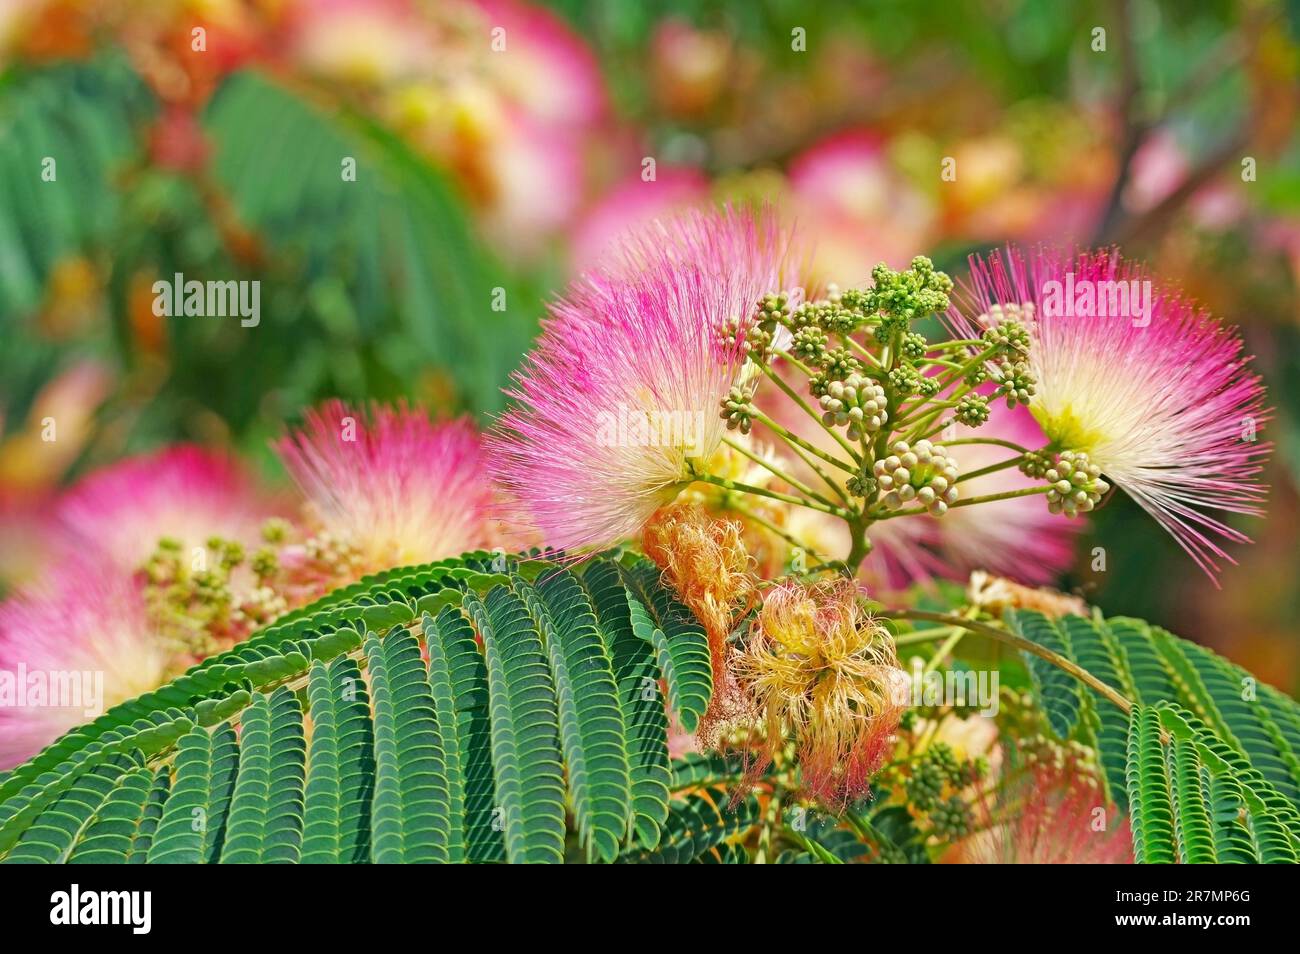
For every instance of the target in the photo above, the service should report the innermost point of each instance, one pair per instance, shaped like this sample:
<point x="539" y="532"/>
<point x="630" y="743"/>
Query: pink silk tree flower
<point x="618" y="404"/>
<point x="185" y="493"/>
<point x="1135" y="382"/>
<point x="72" y="646"/>
<point x="390" y="484"/>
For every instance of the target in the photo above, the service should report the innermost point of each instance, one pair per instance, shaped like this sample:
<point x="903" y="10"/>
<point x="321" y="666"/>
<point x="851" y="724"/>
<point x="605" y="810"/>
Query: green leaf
<point x="592" y="730"/>
<point x="1193" y="799"/>
<point x="340" y="767"/>
<point x="695" y="824"/>
<point x="681" y="646"/>
<point x="411" y="812"/>
<point x="85" y="117"/>
<point x="458" y="679"/>
<point x="642" y="702"/>
<point x="385" y="266"/>
<point x="1151" y="807"/>
<point x="124" y="825"/>
<point x="533" y="702"/>
<point x="1096" y="650"/>
<point x="696" y="769"/>
<point x="1195" y="841"/>
<point x="52" y="837"/>
<point x="193" y="819"/>
<point x="525" y="728"/>
<point x="1257" y="723"/>
<point x="1058" y="692"/>
<point x="266" y="812"/>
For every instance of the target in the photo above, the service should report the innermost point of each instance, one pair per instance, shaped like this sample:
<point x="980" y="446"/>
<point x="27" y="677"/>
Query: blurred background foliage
<point x="490" y="168"/>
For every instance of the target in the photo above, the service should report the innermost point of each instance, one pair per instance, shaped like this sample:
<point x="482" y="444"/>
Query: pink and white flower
<point x="391" y="484"/>
<point x="1158" y="394"/>
<point x="619" y="401"/>
<point x="84" y="624"/>
<point x="185" y="493"/>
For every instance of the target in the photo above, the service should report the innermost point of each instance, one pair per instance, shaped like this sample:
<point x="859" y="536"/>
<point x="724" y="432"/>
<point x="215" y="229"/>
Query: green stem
<point x="974" y="362"/>
<point x="796" y="441"/>
<point x="942" y="652"/>
<point x="770" y="822"/>
<point x="788" y="538"/>
<point x="776" y="471"/>
<point x="835" y="488"/>
<point x="815" y="415"/>
<point x="860" y="350"/>
<point x="924" y="635"/>
<point x="984" y="440"/>
<point x="929" y="406"/>
<point x="739" y="487"/>
<point x="961" y="372"/>
<point x="990" y="469"/>
<point x="813" y="848"/>
<point x="965" y="502"/>
<point x="859" y="824"/>
<point x="939" y="363"/>
<point x="861" y="545"/>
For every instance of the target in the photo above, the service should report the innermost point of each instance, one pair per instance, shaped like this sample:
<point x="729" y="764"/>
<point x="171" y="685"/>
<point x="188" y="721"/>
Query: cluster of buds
<point x="972" y="410"/>
<point x="894" y="301"/>
<point x="1077" y="486"/>
<point x="1014" y="380"/>
<point x="206" y="602"/>
<point x="1035" y="464"/>
<point x="935" y="786"/>
<point x="772" y="310"/>
<point x="738" y="410"/>
<point x="1006" y="326"/>
<point x="924" y="474"/>
<point x="903" y="297"/>
<point x="754" y="340"/>
<point x="858" y="403"/>
<point x="1006" y="333"/>
<point x="1071" y="758"/>
<point x="810" y="344"/>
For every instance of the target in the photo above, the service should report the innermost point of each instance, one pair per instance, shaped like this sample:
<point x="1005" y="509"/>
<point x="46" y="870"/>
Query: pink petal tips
<point x="389" y="484"/>
<point x="1150" y="387"/>
<point x="620" y="399"/>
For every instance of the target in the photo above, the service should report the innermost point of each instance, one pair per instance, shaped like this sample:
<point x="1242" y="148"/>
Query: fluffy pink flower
<point x="620" y="398"/>
<point x="84" y="626"/>
<point x="182" y="492"/>
<point x="1157" y="394"/>
<point x="391" y="484"/>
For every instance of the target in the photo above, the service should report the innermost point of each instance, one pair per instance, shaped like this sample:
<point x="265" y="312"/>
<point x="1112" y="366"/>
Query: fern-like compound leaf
<point x="266" y="813"/>
<point x="522" y="708"/>
<point x="341" y="765"/>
